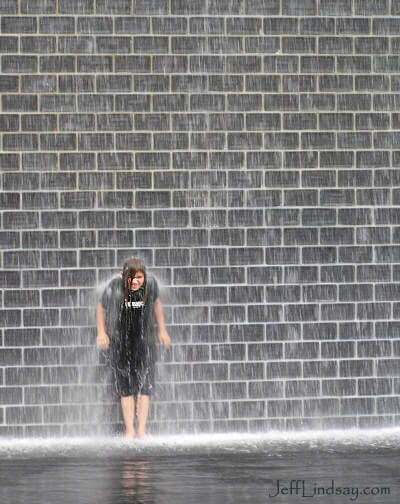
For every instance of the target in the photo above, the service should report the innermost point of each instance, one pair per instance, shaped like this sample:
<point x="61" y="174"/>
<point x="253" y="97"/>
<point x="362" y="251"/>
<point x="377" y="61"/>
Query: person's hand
<point x="103" y="341"/>
<point x="163" y="338"/>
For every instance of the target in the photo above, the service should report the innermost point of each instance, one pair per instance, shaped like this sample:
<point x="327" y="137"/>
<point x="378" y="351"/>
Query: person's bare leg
<point x="143" y="403"/>
<point x="128" y="413"/>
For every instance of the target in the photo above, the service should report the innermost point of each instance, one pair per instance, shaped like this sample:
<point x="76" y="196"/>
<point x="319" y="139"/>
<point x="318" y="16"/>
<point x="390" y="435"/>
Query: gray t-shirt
<point x="112" y="300"/>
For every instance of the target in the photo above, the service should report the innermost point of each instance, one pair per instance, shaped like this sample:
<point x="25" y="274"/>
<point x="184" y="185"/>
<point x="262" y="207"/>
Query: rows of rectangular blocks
<point x="250" y="153"/>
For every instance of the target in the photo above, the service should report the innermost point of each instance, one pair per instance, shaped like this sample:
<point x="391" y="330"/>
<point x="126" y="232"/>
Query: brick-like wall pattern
<point x="249" y="151"/>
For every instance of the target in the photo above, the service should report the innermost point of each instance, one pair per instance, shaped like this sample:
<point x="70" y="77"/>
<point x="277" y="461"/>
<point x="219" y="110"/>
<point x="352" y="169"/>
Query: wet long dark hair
<point x="130" y="268"/>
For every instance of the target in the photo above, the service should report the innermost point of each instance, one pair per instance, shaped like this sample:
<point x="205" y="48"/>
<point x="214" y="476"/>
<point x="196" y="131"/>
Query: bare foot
<point x="129" y="435"/>
<point x="142" y="435"/>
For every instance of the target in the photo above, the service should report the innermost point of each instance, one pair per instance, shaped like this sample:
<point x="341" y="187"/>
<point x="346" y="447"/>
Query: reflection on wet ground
<point x="283" y="468"/>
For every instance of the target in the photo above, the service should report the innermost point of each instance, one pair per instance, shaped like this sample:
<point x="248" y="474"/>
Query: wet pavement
<point x="282" y="468"/>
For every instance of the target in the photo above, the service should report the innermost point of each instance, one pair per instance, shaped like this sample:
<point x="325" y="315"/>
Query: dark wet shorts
<point x="135" y="383"/>
<point x="138" y="378"/>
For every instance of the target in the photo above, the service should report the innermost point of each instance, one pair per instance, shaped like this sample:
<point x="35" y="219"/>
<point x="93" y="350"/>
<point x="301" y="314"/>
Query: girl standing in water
<point x="125" y="315"/>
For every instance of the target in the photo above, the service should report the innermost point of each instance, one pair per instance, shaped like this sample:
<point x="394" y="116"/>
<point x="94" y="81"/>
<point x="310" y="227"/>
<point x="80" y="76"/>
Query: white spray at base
<point x="271" y="444"/>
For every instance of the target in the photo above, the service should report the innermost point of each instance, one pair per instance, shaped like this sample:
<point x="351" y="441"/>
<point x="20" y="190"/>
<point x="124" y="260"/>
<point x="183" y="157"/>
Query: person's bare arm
<point x="163" y="336"/>
<point x="103" y="341"/>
